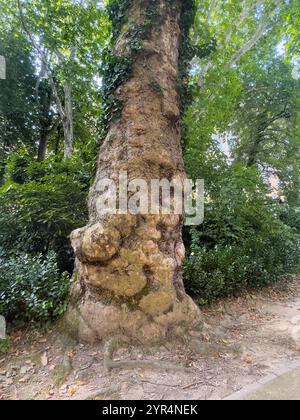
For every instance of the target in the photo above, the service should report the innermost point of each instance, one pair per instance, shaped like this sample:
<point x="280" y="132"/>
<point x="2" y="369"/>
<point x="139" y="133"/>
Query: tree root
<point x="118" y="342"/>
<point x="198" y="344"/>
<point x="101" y="395"/>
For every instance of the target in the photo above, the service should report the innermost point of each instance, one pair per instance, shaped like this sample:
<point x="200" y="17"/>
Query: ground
<point x="264" y="325"/>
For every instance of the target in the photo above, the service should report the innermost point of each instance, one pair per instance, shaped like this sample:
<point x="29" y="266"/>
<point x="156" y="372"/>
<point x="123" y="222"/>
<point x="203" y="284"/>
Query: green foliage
<point x="189" y="50"/>
<point x="4" y="346"/>
<point x="265" y="117"/>
<point x="257" y="261"/>
<point x="114" y="70"/>
<point x="241" y="129"/>
<point x="31" y="288"/>
<point x="118" y="12"/>
<point x="18" y="108"/>
<point x="242" y="243"/>
<point x="73" y="35"/>
<point x="39" y="214"/>
<point x="226" y="269"/>
<point x="188" y="14"/>
<point x="17" y="164"/>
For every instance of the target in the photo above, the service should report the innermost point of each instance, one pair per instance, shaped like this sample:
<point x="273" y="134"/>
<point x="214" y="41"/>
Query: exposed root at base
<point x="118" y="342"/>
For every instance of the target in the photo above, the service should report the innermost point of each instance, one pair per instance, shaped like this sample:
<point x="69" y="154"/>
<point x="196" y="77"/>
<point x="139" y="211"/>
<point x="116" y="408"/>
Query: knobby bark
<point x="129" y="267"/>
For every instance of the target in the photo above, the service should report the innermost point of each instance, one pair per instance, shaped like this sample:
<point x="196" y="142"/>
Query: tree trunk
<point x="43" y="144"/>
<point x="129" y="267"/>
<point x="45" y="117"/>
<point x="68" y="122"/>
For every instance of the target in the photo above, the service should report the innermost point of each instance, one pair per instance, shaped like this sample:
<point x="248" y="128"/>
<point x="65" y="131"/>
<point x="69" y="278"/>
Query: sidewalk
<point x="284" y="386"/>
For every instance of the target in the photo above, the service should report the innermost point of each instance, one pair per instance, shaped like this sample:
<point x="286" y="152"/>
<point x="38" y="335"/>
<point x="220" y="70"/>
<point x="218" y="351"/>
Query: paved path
<point x="282" y="385"/>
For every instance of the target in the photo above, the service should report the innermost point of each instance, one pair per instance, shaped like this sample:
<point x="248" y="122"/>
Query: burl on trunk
<point x="129" y="267"/>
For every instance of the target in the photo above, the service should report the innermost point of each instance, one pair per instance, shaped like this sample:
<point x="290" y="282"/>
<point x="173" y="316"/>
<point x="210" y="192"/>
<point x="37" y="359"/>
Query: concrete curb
<point x="250" y="389"/>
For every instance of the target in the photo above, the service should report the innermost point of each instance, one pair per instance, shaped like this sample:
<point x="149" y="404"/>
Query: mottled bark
<point x="129" y="268"/>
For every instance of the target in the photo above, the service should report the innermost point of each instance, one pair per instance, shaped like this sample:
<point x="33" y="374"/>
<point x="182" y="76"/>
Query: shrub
<point x="243" y="242"/>
<point x="31" y="288"/>
<point x="16" y="165"/>
<point x="255" y="262"/>
<point x="4" y="346"/>
<point x="38" y="216"/>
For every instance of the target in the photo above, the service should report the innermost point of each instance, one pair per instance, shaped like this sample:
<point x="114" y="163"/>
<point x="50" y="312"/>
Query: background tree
<point x="18" y="108"/>
<point x="245" y="115"/>
<point x="67" y="58"/>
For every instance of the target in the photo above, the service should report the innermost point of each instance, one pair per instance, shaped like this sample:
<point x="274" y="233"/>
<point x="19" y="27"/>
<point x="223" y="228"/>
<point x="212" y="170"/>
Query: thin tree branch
<point x="54" y="126"/>
<point x="203" y="73"/>
<point x="242" y="17"/>
<point x="210" y="12"/>
<point x="38" y="82"/>
<point x="249" y="45"/>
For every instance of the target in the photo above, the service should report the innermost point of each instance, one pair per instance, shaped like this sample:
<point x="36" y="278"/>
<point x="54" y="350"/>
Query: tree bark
<point x="129" y="267"/>
<point x="44" y="98"/>
<point x="68" y="122"/>
<point x="43" y="144"/>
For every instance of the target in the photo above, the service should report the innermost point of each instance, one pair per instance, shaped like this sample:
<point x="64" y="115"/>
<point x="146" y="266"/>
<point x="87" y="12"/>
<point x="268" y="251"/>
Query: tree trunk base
<point x="92" y="321"/>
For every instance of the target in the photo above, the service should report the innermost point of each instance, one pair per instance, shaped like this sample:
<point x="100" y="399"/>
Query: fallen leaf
<point x="81" y="383"/>
<point x="63" y="389"/>
<point x="44" y="360"/>
<point x="72" y="390"/>
<point x="24" y="380"/>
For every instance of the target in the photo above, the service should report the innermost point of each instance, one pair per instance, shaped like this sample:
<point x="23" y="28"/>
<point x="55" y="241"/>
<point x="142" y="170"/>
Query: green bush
<point x="38" y="215"/>
<point x="16" y="166"/>
<point x="4" y="346"/>
<point x="257" y="261"/>
<point x="243" y="242"/>
<point x="31" y="288"/>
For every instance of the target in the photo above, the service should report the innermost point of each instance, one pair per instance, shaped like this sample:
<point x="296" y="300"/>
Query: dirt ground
<point x="265" y="326"/>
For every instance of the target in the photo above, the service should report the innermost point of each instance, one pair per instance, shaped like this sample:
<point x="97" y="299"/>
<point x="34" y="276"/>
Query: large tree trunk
<point x="129" y="268"/>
